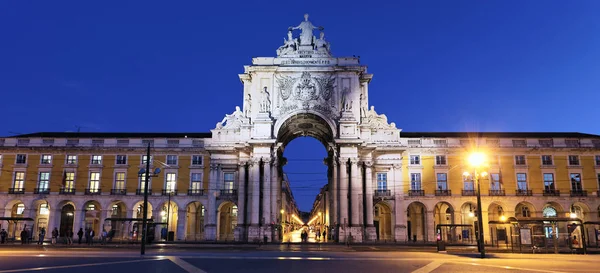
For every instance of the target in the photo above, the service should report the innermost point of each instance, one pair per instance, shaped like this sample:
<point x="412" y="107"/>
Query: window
<point x="548" y="182"/>
<point x="171" y="160"/>
<point x="98" y="142"/>
<point x="115" y="210"/>
<point x="20" y="209"/>
<point x="173" y="143"/>
<point x="96" y="159"/>
<point x="415" y="181"/>
<point x="414" y="142"/>
<point x="572" y="143"/>
<point x="171" y="182"/>
<point x="145" y="142"/>
<point x="71" y="159"/>
<point x="522" y="181"/>
<point x="197" y="143"/>
<point x="23" y="142"/>
<point x="573" y="160"/>
<point x="468" y="183"/>
<point x="547" y="160"/>
<point x="415" y="160"/>
<point x="94" y="181"/>
<point x="19" y="180"/>
<point x="495" y="184"/>
<point x="69" y="182"/>
<point x="120" y="181"/>
<point x="72" y="142"/>
<point x="228" y="180"/>
<point x="122" y="142"/>
<point x="442" y="181"/>
<point x="519" y="143"/>
<point x="143" y="180"/>
<point x="196" y="181"/>
<point x="597" y="159"/>
<point x="576" y="182"/>
<point x="525" y="211"/>
<point x="520" y="160"/>
<point x="46" y="159"/>
<point x="48" y="141"/>
<point x="121" y="159"/>
<point x="21" y="159"/>
<point x="546" y="143"/>
<point x="44" y="209"/>
<point x="196" y="160"/>
<point x="145" y="159"/>
<point x="440" y="160"/>
<point x="440" y="142"/>
<point x="549" y="212"/>
<point x="44" y="181"/>
<point x="381" y="181"/>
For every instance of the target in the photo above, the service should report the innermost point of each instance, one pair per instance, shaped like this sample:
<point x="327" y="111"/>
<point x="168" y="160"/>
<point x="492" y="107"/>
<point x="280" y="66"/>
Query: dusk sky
<point x="172" y="66"/>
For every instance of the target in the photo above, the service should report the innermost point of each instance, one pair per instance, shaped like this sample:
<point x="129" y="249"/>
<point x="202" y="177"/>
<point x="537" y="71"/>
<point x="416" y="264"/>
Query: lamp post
<point x="146" y="173"/>
<point x="281" y="224"/>
<point x="477" y="162"/>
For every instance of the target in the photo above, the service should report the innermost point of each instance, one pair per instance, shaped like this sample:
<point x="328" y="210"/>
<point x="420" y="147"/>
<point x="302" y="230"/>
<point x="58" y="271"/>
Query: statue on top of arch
<point x="233" y="121"/>
<point x="376" y="121"/>
<point x="307" y="45"/>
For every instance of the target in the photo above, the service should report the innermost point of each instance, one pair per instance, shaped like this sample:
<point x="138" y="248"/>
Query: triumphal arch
<point x="304" y="91"/>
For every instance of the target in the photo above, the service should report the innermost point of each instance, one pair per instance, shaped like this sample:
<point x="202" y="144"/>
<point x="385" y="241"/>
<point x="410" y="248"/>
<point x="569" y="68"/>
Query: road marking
<point x="508" y="267"/>
<point x="74" y="265"/>
<point x="429" y="267"/>
<point x="185" y="265"/>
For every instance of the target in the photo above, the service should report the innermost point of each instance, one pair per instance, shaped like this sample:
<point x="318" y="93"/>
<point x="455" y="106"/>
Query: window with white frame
<point x="495" y="184"/>
<point x="44" y="209"/>
<point x="415" y="181"/>
<point x="171" y="182"/>
<point x="520" y="160"/>
<point x="547" y="160"/>
<point x="21" y="159"/>
<point x="44" y="181"/>
<point x="145" y="159"/>
<point x="549" y="182"/>
<point x="171" y="160"/>
<point x="120" y="180"/>
<point x="19" y="182"/>
<point x="196" y="160"/>
<point x="519" y="143"/>
<point x="71" y="159"/>
<point x="415" y="160"/>
<point x="96" y="159"/>
<point x="574" y="160"/>
<point x="94" y="181"/>
<point x="576" y="182"/>
<point x="142" y="182"/>
<point x="228" y="180"/>
<point x="440" y="160"/>
<point x="521" y="181"/>
<point x="46" y="159"/>
<point x="381" y="181"/>
<point x="121" y="160"/>
<point x="468" y="184"/>
<point x="196" y="181"/>
<point x="69" y="178"/>
<point x="442" y="181"/>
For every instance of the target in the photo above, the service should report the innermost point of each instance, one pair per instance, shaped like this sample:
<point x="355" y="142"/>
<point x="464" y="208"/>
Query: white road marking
<point x="185" y="265"/>
<point x="509" y="267"/>
<point x="429" y="267"/>
<point x="74" y="265"/>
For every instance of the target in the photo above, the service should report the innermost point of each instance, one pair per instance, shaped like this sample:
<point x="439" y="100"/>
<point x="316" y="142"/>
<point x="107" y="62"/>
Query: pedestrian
<point x="324" y="234"/>
<point x="54" y="235"/>
<point x="3" y="235"/>
<point x="91" y="238"/>
<point x="69" y="235"/>
<point x="103" y="236"/>
<point x="80" y="234"/>
<point x="23" y="236"/>
<point x="41" y="236"/>
<point x="111" y="234"/>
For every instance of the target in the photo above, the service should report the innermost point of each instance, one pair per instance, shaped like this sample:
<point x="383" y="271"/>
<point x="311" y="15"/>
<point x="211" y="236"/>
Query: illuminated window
<point x="196" y="181"/>
<point x="96" y="160"/>
<point x="228" y="181"/>
<point x="145" y="159"/>
<point x="69" y="182"/>
<point x="44" y="209"/>
<point x="415" y="181"/>
<point x="442" y="181"/>
<point x="171" y="182"/>
<point x="46" y="159"/>
<point x="520" y="160"/>
<point x="521" y="181"/>
<point x="142" y="181"/>
<point x="381" y="181"/>
<point x="549" y="212"/>
<point x="44" y="181"/>
<point x="120" y="180"/>
<point x="94" y="182"/>
<point x="20" y="209"/>
<point x="71" y="159"/>
<point x="19" y="180"/>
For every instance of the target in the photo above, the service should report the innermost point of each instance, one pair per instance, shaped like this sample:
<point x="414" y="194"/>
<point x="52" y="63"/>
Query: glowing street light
<point x="477" y="161"/>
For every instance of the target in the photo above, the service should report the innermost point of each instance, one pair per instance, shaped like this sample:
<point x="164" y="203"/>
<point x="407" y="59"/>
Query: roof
<point x="498" y="134"/>
<point x="112" y="135"/>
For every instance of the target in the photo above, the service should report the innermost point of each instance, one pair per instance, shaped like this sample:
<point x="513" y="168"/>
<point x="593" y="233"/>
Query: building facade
<point x="229" y="184"/>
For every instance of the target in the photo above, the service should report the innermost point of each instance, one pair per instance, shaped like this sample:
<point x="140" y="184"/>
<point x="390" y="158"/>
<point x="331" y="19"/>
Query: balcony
<point x="196" y="192"/>
<point x="118" y="192"/>
<point x="228" y="193"/>
<point x="93" y="191"/>
<point x="416" y="193"/>
<point x="523" y="192"/>
<point x="497" y="193"/>
<point x="443" y="193"/>
<point x="468" y="193"/>
<point x="383" y="193"/>
<point x="16" y="190"/>
<point x="141" y="192"/>
<point x="579" y="193"/>
<point x="67" y="191"/>
<point x="41" y="191"/>
<point x="166" y="192"/>
<point x="551" y="192"/>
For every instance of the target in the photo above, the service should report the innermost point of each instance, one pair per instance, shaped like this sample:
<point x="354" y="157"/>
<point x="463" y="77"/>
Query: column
<point x="275" y="192"/>
<point x="369" y="193"/>
<point x="241" y="193"/>
<point x="400" y="228"/>
<point x="335" y="220"/>
<point x="255" y="193"/>
<point x="181" y="224"/>
<point x="266" y="192"/>
<point x="344" y="191"/>
<point x="211" y="208"/>
<point x="355" y="194"/>
<point x="429" y="226"/>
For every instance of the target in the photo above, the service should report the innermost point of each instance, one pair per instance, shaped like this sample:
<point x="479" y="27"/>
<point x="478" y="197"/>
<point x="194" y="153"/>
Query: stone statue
<point x="289" y="45"/>
<point x="363" y="106"/>
<point x="265" y="101"/>
<point x="346" y="102"/>
<point x="321" y="44"/>
<point x="235" y="118"/>
<point x="248" y="105"/>
<point x="306" y="36"/>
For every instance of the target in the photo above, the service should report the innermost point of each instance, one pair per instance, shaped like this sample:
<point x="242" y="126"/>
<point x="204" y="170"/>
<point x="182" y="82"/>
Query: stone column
<point x="266" y="193"/>
<point x="355" y="195"/>
<point x="255" y="193"/>
<point x="211" y="209"/>
<point x="181" y="224"/>
<point x="370" y="228"/>
<point x="275" y="192"/>
<point x="241" y="201"/>
<point x="429" y="226"/>
<point x="397" y="188"/>
<point x="344" y="191"/>
<point x="333" y="215"/>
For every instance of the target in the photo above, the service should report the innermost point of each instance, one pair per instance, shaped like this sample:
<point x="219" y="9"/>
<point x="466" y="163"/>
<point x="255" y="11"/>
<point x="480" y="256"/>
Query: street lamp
<point x="146" y="174"/>
<point x="477" y="162"/>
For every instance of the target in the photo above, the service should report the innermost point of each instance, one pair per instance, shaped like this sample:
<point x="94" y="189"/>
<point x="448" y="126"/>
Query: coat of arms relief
<point x="306" y="92"/>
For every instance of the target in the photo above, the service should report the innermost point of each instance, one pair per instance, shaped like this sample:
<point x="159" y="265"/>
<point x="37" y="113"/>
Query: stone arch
<point x="525" y="209"/>
<point x="117" y="209"/>
<point x="67" y="217"/>
<point x="497" y="212"/>
<point x="581" y="210"/>
<point x="554" y="205"/>
<point x="382" y="219"/>
<point x="41" y="213"/>
<point x="137" y="210"/>
<point x="226" y="221"/>
<point x="195" y="216"/>
<point x="92" y="213"/>
<point x="169" y="215"/>
<point x="443" y="214"/>
<point x="295" y="124"/>
<point x="15" y="208"/>
<point x="416" y="221"/>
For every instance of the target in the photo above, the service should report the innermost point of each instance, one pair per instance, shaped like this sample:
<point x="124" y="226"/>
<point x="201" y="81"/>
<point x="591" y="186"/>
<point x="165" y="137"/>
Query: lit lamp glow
<point x="502" y="218"/>
<point x="573" y="215"/>
<point x="476" y="159"/>
<point x="471" y="214"/>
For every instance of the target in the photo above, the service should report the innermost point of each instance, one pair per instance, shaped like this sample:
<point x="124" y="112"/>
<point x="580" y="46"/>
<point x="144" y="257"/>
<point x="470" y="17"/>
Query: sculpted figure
<point x="265" y="101"/>
<point x="346" y="102"/>
<point x="306" y="27"/>
<point x="230" y="120"/>
<point x="321" y="44"/>
<point x="289" y="45"/>
<point x="248" y="104"/>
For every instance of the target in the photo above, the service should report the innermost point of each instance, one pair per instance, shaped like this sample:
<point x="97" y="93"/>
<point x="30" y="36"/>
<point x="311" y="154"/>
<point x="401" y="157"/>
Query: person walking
<point x="103" y="236"/>
<point x="54" y="235"/>
<point x="91" y="237"/>
<point x="69" y="235"/>
<point x="3" y="235"/>
<point x="324" y="235"/>
<point x="41" y="236"/>
<point x="23" y="236"/>
<point x="80" y="234"/>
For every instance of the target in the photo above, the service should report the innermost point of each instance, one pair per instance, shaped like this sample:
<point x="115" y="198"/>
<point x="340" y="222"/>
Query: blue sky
<point x="437" y="65"/>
